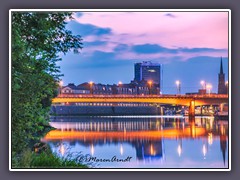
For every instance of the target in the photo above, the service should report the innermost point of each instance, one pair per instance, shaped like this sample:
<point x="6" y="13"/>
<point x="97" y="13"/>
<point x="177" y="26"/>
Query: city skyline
<point x="189" y="53"/>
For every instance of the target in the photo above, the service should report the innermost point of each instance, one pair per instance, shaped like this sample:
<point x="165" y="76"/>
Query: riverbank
<point x="45" y="159"/>
<point x="38" y="155"/>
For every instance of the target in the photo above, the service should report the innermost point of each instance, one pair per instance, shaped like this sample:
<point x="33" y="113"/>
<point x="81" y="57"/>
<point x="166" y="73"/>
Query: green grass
<point x="45" y="159"/>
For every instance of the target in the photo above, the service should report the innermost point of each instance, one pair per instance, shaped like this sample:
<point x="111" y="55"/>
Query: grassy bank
<point x="45" y="159"/>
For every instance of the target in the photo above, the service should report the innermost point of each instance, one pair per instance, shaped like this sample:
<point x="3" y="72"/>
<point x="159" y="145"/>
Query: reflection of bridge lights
<point x="193" y="129"/>
<point x="204" y="150"/>
<point x="121" y="149"/>
<point x="183" y="125"/>
<point x="222" y="130"/>
<point x="152" y="150"/>
<point x="211" y="123"/>
<point x="92" y="149"/>
<point x="179" y="150"/>
<point x="62" y="149"/>
<point x="210" y="138"/>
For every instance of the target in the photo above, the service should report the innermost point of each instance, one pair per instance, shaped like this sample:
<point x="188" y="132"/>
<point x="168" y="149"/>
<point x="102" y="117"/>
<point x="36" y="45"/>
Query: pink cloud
<point x="185" y="29"/>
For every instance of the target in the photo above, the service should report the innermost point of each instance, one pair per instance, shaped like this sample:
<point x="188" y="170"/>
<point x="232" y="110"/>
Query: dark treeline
<point x="37" y="40"/>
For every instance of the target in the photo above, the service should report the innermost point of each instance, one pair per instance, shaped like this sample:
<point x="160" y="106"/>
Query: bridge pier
<point x="191" y="112"/>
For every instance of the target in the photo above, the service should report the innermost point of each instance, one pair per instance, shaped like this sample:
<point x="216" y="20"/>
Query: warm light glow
<point x="222" y="130"/>
<point x="165" y="133"/>
<point x="152" y="150"/>
<point x="209" y="87"/>
<point x="120" y="83"/>
<point x="91" y="82"/>
<point x="210" y="138"/>
<point x="211" y="123"/>
<point x="150" y="82"/>
<point x="226" y="83"/>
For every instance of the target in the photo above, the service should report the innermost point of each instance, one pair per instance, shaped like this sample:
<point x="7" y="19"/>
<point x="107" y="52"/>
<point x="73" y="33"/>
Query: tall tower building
<point x="221" y="81"/>
<point x="148" y="71"/>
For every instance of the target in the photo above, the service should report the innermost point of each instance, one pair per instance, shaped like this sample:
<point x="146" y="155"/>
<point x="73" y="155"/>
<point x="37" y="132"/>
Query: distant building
<point x="96" y="88"/>
<point x="222" y="89"/>
<point x="148" y="71"/>
<point x="132" y="88"/>
<point x="202" y="91"/>
<point x="71" y="88"/>
<point x="144" y="73"/>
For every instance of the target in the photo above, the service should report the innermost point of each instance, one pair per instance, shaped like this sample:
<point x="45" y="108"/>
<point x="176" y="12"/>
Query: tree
<point x="37" y="40"/>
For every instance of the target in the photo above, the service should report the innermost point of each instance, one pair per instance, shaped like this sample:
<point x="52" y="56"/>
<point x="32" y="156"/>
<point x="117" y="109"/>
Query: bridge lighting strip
<point x="143" y="116"/>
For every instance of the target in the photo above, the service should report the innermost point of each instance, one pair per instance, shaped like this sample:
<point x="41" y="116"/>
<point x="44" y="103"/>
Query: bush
<point x="45" y="159"/>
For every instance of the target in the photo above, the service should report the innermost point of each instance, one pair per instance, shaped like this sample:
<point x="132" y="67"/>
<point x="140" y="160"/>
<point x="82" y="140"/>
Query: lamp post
<point x="226" y="84"/>
<point x="119" y="85"/>
<point x="60" y="86"/>
<point x="91" y="84"/>
<point x="178" y="83"/>
<point x="203" y="83"/>
<point x="209" y="87"/>
<point x="150" y="86"/>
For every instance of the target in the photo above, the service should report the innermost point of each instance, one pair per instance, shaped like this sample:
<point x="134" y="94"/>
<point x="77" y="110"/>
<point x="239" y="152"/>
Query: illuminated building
<point x="148" y="71"/>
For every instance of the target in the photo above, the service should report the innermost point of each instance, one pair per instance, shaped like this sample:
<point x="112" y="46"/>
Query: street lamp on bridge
<point x="203" y="83"/>
<point x="60" y="86"/>
<point x="209" y="88"/>
<point x="226" y="84"/>
<point x="119" y="85"/>
<point x="178" y="83"/>
<point x="150" y="86"/>
<point x="91" y="88"/>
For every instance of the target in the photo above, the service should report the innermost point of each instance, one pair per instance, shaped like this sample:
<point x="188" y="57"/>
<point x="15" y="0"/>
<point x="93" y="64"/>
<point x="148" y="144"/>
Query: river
<point x="141" y="141"/>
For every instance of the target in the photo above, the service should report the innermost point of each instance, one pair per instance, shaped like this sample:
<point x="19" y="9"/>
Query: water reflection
<point x="152" y="142"/>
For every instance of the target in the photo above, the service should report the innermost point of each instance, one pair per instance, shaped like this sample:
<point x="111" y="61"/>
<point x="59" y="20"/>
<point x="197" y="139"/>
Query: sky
<point x="189" y="45"/>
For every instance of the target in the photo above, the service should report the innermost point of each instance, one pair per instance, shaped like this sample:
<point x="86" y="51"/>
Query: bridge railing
<point x="141" y="96"/>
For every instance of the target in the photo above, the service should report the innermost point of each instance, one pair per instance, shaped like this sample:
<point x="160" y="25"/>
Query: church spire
<point x="221" y="67"/>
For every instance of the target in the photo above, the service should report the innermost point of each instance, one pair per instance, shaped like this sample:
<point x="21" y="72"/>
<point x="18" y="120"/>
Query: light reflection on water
<point x="144" y="142"/>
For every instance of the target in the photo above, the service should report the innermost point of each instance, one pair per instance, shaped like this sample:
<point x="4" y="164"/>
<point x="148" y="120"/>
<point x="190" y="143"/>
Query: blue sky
<point x="189" y="45"/>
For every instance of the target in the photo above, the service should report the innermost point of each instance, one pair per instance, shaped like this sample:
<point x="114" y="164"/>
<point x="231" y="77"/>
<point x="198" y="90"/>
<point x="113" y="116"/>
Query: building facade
<point x="132" y="88"/>
<point x="71" y="88"/>
<point x="148" y="71"/>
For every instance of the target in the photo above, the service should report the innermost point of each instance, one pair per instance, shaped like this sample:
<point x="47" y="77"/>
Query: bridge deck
<point x="161" y="99"/>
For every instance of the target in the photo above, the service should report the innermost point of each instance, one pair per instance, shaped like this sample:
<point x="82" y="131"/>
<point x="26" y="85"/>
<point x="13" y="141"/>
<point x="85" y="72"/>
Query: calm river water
<point x="141" y="141"/>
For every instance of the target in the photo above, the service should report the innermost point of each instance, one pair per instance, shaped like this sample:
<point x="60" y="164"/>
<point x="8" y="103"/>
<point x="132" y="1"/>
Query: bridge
<point x="185" y="100"/>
